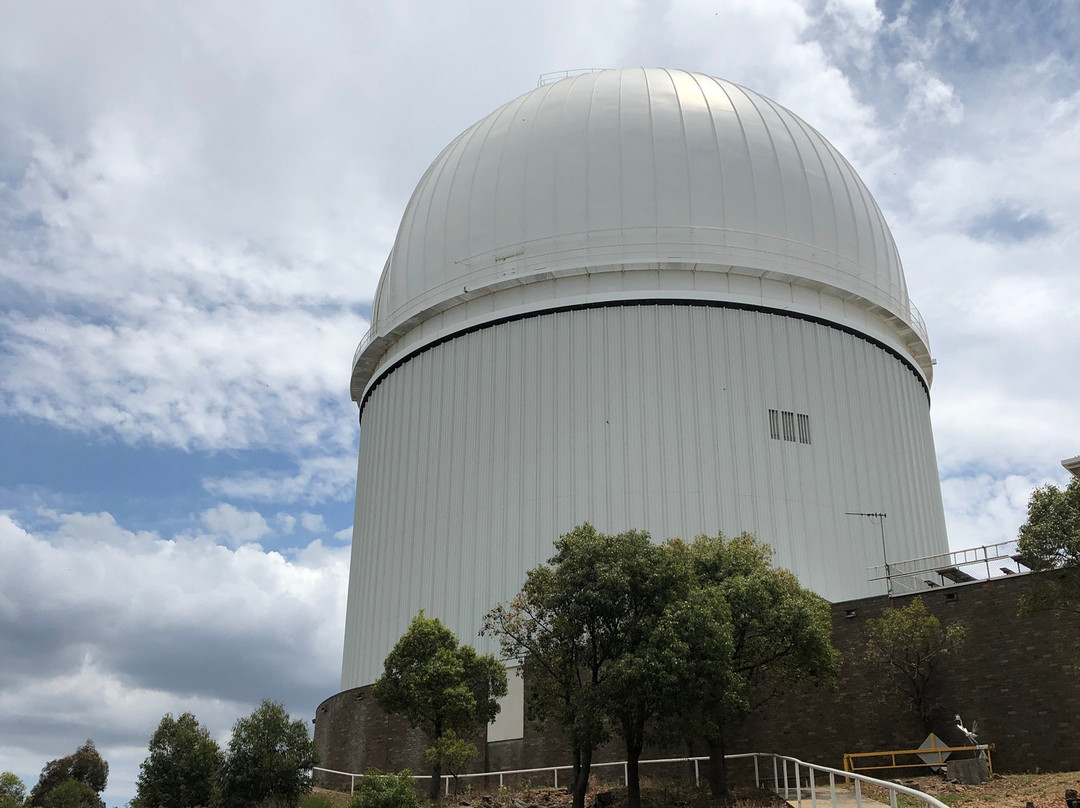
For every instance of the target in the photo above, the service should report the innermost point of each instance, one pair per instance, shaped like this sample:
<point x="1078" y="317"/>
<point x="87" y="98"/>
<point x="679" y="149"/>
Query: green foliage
<point x="379" y="790"/>
<point x="84" y="766"/>
<point x="909" y="645"/>
<point x="439" y="685"/>
<point x="779" y="635"/>
<point x="571" y="623"/>
<point x="653" y="641"/>
<point x="182" y="768"/>
<point x="12" y="791"/>
<point x="1050" y="540"/>
<point x="72" y="794"/>
<point x="452" y="754"/>
<point x="269" y="760"/>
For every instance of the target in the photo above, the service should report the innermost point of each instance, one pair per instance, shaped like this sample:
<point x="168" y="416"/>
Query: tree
<point x="85" y="767"/>
<point x="1050" y="540"/>
<point x="779" y="638"/>
<point x="269" y="760"/>
<point x="909" y="645"/>
<point x="182" y="768"/>
<point x="644" y="587"/>
<point x="12" y="791"/>
<point x="562" y="656"/>
<point x="588" y="629"/>
<point x="439" y="685"/>
<point x="452" y="754"/>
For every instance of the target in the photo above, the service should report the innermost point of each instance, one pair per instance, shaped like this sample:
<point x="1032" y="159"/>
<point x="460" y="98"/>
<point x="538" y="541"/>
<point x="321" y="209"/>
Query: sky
<point x="196" y="199"/>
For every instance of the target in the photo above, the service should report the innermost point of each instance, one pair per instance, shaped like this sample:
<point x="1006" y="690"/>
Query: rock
<point x="605" y="798"/>
<point x="970" y="771"/>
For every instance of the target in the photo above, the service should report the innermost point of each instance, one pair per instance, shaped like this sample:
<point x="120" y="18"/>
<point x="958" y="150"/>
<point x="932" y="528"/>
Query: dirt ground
<point x="1003" y="791"/>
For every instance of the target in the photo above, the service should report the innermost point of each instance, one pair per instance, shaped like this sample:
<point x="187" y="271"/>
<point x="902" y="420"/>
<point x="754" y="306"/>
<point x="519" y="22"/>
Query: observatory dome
<point x="646" y="299"/>
<point x="641" y="184"/>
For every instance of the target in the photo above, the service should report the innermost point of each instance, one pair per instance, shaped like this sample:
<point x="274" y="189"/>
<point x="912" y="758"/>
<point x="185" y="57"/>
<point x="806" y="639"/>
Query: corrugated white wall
<point x="478" y="453"/>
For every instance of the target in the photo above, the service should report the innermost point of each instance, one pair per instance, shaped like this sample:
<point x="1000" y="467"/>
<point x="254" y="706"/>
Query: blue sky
<point x="196" y="200"/>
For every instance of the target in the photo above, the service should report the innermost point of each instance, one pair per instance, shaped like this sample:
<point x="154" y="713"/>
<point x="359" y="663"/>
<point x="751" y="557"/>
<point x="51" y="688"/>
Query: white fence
<point x="794" y="780"/>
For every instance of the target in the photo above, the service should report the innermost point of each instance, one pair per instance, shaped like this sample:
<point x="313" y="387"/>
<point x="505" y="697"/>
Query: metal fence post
<point x="697" y="775"/>
<point x="858" y="793"/>
<point x="757" y="774"/>
<point x="775" y="778"/>
<point x="556" y="770"/>
<point x="625" y="774"/>
<point x="832" y="788"/>
<point x="798" y="786"/>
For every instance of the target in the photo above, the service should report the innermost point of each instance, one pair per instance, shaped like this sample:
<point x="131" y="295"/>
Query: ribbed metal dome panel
<point x="646" y="168"/>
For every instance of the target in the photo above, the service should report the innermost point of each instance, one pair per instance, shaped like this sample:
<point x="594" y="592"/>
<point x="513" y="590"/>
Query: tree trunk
<point x="633" y="780"/>
<point x="583" y="758"/>
<point x="717" y="767"/>
<point x="436" y="781"/>
<point x="436" y="767"/>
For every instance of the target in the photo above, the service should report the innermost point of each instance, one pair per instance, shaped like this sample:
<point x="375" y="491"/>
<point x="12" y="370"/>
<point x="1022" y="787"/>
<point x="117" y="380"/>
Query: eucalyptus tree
<point x="439" y="685"/>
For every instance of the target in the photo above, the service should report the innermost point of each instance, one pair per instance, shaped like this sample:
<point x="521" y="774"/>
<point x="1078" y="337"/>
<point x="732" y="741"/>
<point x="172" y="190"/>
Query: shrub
<point x="386" y="790"/>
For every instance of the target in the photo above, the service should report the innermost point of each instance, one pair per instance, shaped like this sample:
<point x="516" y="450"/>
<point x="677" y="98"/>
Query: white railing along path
<point x="793" y="779"/>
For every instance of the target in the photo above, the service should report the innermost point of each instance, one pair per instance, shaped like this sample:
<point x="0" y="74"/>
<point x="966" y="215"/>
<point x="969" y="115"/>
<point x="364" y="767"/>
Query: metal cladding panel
<point x="477" y="453"/>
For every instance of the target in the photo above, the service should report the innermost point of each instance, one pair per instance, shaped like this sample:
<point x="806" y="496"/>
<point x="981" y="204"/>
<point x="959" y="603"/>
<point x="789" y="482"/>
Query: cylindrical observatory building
<point x="644" y="299"/>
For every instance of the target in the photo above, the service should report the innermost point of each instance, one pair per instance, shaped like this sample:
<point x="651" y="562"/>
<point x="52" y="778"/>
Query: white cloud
<point x="185" y="377"/>
<point x="986" y="509"/>
<point x="235" y="526"/>
<point x="929" y="97"/>
<point x="312" y="522"/>
<point x="316" y="480"/>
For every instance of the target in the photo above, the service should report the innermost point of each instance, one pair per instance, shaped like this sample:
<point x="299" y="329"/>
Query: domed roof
<point x="699" y="183"/>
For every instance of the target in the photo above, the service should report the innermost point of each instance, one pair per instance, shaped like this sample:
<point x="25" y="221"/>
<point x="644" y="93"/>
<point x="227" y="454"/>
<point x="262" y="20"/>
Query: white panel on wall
<point x="510" y="722"/>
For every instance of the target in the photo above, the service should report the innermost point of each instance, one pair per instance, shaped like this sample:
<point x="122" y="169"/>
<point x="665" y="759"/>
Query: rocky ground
<point x="1003" y="791"/>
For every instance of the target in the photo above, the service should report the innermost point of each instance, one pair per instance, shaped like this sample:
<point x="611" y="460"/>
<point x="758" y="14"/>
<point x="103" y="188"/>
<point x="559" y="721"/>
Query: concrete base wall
<point x="1014" y="676"/>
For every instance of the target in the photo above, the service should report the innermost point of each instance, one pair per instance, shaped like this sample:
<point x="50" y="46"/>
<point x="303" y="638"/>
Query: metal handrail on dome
<point x="918" y="323"/>
<point x="559" y="75"/>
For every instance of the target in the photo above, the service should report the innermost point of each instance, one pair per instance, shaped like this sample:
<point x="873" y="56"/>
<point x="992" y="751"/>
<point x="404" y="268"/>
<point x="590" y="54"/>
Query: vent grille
<point x="804" y="428"/>
<point x="789" y="426"/>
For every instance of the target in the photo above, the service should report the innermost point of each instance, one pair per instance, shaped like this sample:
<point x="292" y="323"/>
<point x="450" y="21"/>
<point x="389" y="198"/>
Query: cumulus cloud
<point x="930" y="98"/>
<point x="312" y="522"/>
<point x="316" y="480"/>
<point x="235" y="526"/>
<point x="104" y="629"/>
<point x="985" y="508"/>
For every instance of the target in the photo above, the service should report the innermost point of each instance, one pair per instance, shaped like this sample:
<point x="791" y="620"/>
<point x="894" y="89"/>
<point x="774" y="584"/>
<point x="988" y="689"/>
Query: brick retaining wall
<point x="1014" y="676"/>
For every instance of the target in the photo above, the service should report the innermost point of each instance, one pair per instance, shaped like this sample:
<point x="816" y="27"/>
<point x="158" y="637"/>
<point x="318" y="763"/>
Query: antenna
<point x="884" y="554"/>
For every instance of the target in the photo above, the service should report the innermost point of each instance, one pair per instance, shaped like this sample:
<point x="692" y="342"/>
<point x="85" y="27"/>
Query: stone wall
<point x="1014" y="676"/>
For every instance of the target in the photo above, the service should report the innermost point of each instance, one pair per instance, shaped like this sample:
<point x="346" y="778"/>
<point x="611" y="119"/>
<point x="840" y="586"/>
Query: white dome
<point x="638" y="184"/>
